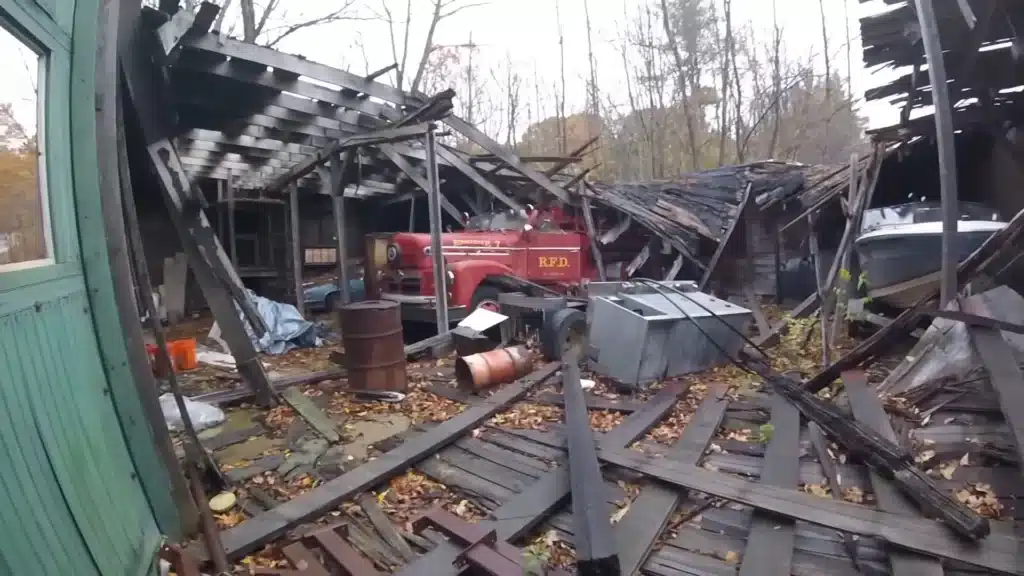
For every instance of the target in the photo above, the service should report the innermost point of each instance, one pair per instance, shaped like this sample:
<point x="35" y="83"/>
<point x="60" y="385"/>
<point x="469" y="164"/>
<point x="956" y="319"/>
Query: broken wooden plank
<point x="651" y="511"/>
<point x="312" y="414"/>
<point x="255" y="532"/>
<point x="527" y="509"/>
<point x="769" y="549"/>
<point x="763" y="328"/>
<point x="382" y="524"/>
<point x="867" y="409"/>
<point x="998" y="551"/>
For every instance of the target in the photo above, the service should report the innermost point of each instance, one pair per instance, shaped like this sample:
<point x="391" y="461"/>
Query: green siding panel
<point x="64" y="431"/>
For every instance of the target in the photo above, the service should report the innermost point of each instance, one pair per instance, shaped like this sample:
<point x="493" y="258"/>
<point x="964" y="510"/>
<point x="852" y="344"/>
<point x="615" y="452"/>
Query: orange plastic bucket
<point x="183" y="354"/>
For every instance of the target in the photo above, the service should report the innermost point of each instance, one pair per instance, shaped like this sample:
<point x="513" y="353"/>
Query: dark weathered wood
<point x="418" y="178"/>
<point x="1003" y="372"/>
<point x="592" y="534"/>
<point x="255" y="532"/>
<point x="769" y="549"/>
<point x="867" y="409"/>
<point x="384" y="527"/>
<point x="651" y="511"/>
<point x="998" y="551"/>
<point x="723" y="243"/>
<point x="527" y="509"/>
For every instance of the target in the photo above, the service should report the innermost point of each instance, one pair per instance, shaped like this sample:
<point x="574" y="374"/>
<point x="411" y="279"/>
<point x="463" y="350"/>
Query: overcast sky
<point x="525" y="32"/>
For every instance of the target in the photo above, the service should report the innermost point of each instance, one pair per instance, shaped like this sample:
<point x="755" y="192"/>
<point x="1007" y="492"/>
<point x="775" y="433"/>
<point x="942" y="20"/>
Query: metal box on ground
<point x="639" y="335"/>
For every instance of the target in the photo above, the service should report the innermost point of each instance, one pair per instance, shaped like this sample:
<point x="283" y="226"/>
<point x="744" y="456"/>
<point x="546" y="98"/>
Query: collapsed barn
<point x="268" y="163"/>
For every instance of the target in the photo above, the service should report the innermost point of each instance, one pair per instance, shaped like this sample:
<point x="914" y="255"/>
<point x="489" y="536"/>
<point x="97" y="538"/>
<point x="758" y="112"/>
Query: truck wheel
<point x="486" y="296"/>
<point x="564" y="330"/>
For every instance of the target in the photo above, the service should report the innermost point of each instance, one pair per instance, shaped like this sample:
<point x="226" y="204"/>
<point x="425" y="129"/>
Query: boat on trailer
<point x="899" y="248"/>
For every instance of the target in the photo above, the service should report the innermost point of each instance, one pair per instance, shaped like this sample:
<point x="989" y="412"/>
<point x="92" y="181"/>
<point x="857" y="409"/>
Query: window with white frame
<point x="25" y="238"/>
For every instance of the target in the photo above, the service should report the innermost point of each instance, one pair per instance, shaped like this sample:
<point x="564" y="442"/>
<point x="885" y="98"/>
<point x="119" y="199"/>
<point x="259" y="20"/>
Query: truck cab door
<point x="553" y="255"/>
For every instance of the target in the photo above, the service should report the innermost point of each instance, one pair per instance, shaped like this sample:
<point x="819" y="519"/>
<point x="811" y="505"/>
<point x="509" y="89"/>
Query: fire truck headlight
<point x="451" y="278"/>
<point x="393" y="253"/>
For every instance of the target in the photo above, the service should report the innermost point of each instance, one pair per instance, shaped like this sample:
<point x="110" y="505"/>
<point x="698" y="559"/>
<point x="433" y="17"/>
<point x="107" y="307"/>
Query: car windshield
<point x="499" y="221"/>
<point x="919" y="212"/>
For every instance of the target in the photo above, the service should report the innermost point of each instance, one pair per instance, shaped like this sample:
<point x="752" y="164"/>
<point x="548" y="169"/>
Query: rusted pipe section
<point x="487" y="369"/>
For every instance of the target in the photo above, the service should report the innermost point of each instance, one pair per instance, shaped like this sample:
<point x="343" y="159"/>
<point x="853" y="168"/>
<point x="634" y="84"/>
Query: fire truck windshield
<point x="499" y="221"/>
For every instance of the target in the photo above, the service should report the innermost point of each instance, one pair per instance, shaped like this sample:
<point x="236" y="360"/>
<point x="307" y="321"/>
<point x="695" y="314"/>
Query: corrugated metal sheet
<point x="70" y="500"/>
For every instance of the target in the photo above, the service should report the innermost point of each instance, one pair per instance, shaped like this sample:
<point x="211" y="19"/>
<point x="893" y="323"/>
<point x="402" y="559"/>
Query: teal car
<point x="326" y="297"/>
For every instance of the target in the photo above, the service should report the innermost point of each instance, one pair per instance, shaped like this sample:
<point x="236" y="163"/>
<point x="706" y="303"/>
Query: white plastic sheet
<point x="203" y="415"/>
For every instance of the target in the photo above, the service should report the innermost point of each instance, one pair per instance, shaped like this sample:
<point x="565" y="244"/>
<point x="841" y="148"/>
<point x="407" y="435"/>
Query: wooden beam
<point x="320" y="157"/>
<point x="254" y="533"/>
<point x="418" y="178"/>
<point x="724" y="242"/>
<point x="300" y="66"/>
<point x="588" y="221"/>
<point x="487" y="143"/>
<point x="867" y="409"/>
<point x="262" y="77"/>
<point x="945" y="143"/>
<point x="295" y="242"/>
<point x="455" y="160"/>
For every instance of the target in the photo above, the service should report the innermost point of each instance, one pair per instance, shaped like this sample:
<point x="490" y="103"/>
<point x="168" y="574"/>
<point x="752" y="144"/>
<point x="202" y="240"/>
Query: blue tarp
<point x="286" y="328"/>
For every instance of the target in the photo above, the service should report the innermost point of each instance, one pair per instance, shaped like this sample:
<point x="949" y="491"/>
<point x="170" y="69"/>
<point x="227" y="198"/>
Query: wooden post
<point x="947" y="155"/>
<point x="816" y="253"/>
<point x="296" y="241"/>
<point x="232" y="244"/>
<point x="338" y="168"/>
<point x="853" y="219"/>
<point x="436" y="253"/>
<point x="588" y="220"/>
<point x="412" y="214"/>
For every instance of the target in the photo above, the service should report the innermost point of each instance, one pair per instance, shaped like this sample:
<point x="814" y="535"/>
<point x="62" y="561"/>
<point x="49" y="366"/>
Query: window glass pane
<point x="24" y="222"/>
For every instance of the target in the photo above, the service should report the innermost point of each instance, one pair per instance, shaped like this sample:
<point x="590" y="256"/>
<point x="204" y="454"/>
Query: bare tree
<point x="270" y="23"/>
<point x="828" y="69"/>
<point x="681" y="84"/>
<point x="560" y="98"/>
<point x="440" y="10"/>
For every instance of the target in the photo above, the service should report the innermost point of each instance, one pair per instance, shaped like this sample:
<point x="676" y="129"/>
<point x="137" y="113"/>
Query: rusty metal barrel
<point x="374" y="350"/>
<point x="486" y="369"/>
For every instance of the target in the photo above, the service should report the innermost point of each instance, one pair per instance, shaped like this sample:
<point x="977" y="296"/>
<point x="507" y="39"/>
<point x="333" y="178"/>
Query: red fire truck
<point x="493" y="253"/>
